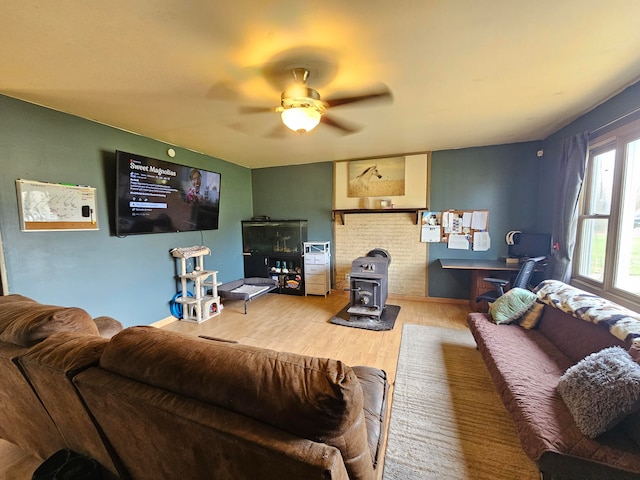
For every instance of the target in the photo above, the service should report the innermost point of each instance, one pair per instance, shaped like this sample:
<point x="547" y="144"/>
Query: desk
<point x="480" y="269"/>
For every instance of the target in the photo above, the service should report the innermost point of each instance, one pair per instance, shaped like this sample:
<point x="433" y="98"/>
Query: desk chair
<point x="521" y="281"/>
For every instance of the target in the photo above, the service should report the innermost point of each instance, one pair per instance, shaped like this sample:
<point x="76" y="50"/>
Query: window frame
<point x="615" y="139"/>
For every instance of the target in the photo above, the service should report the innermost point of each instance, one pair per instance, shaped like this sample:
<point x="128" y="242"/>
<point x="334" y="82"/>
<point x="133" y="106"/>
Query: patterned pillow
<point x="601" y="390"/>
<point x="532" y="316"/>
<point x="512" y="305"/>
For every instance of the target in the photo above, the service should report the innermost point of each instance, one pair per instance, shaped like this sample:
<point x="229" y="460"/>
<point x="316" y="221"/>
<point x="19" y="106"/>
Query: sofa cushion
<point x="314" y="398"/>
<point x="26" y="322"/>
<point x="623" y="323"/>
<point x="512" y="305"/>
<point x="562" y="329"/>
<point x="14" y="297"/>
<point x="601" y="390"/>
<point x="50" y="365"/>
<point x="375" y="389"/>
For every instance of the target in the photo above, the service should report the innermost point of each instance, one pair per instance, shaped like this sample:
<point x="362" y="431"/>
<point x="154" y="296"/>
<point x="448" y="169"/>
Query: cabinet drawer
<point x="314" y="269"/>
<point x="321" y="279"/>
<point x="318" y="259"/>
<point x="315" y="289"/>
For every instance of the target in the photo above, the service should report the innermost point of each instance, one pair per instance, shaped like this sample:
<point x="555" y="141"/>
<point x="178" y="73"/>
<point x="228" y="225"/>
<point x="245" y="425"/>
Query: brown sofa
<point x="23" y="324"/>
<point x="526" y="365"/>
<point x="150" y="404"/>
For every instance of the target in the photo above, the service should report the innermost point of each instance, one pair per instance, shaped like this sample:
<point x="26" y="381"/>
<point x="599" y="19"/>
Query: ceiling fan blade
<point x="257" y="109"/>
<point x="379" y="94"/>
<point x="346" y="129"/>
<point x="223" y="91"/>
<point x="278" y="131"/>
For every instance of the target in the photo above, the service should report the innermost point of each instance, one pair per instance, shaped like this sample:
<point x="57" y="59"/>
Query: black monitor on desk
<point x="530" y="245"/>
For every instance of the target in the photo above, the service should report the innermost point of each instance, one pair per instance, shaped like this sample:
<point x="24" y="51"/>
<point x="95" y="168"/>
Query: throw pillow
<point x="601" y="390"/>
<point x="532" y="316"/>
<point x="512" y="305"/>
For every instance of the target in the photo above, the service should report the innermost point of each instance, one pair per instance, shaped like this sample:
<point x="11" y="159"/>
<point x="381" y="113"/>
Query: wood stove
<point x="368" y="285"/>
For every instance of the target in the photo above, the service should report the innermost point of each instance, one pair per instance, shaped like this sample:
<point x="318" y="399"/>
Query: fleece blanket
<point x="621" y="322"/>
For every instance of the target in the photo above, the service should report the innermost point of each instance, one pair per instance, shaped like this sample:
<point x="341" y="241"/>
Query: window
<point x="607" y="255"/>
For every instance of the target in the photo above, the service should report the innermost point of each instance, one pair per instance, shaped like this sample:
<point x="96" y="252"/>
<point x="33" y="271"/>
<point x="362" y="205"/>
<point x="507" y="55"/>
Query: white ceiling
<point x="462" y="72"/>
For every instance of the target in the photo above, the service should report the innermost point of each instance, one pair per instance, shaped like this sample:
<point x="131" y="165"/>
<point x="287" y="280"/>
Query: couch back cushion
<point x="14" y="297"/>
<point x="314" y="398"/>
<point x="26" y="322"/>
<point x="575" y="337"/>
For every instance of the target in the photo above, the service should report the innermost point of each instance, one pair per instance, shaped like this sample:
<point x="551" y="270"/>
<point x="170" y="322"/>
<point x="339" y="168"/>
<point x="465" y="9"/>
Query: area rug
<point x="386" y="322"/>
<point x="447" y="421"/>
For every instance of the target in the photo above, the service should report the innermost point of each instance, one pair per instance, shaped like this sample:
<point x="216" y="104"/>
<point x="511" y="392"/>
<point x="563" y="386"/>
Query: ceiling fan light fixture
<point x="301" y="119"/>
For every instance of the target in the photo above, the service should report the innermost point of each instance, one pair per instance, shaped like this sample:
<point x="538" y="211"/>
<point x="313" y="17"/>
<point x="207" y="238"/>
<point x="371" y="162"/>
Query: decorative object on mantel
<point x="365" y="203"/>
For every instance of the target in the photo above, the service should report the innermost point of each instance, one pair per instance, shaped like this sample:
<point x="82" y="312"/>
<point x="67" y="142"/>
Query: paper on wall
<point x="455" y="222"/>
<point x="430" y="233"/>
<point x="479" y="220"/>
<point x="458" y="242"/>
<point x="445" y="220"/>
<point x="481" y="241"/>
<point x="430" y="229"/>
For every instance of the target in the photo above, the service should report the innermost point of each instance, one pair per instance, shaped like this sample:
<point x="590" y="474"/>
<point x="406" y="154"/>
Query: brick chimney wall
<point x="395" y="232"/>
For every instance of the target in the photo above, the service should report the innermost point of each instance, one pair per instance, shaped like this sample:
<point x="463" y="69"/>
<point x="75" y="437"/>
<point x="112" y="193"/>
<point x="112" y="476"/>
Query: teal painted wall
<point x="132" y="278"/>
<point x="298" y="191"/>
<point x="502" y="179"/>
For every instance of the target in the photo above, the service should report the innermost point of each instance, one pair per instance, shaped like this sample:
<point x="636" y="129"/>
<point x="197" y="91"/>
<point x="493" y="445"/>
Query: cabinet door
<point x="292" y="284"/>
<point x="256" y="265"/>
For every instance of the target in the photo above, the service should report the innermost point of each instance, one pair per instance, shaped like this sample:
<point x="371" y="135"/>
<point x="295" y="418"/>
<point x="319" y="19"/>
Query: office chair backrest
<point x="524" y="275"/>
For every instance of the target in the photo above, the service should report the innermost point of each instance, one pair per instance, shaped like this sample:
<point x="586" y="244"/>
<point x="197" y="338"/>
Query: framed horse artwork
<point x="382" y="177"/>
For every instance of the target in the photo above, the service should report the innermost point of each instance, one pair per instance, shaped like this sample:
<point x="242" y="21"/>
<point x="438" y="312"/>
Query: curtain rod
<point x="621" y="117"/>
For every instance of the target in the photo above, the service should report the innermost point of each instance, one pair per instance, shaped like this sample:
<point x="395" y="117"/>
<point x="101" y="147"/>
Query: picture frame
<point x="382" y="177"/>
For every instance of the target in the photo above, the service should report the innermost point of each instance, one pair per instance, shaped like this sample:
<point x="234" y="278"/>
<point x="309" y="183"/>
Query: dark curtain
<point x="571" y="168"/>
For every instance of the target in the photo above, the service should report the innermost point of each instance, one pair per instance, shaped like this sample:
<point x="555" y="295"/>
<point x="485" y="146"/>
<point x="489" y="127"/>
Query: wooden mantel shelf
<point x="415" y="211"/>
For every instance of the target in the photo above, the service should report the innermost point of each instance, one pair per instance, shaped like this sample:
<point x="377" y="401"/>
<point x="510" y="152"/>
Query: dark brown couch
<point x="23" y="324"/>
<point x="151" y="404"/>
<point x="526" y="365"/>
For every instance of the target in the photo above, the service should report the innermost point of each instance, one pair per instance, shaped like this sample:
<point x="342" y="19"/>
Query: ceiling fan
<point x="301" y="108"/>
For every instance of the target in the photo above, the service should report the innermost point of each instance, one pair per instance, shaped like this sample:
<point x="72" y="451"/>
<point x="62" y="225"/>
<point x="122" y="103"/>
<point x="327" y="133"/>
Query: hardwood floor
<point x="299" y="325"/>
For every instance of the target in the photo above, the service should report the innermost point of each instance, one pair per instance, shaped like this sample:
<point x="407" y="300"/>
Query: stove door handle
<point x="366" y="280"/>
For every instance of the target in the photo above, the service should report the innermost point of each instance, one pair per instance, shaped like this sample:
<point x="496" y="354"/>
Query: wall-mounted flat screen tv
<point x="155" y="196"/>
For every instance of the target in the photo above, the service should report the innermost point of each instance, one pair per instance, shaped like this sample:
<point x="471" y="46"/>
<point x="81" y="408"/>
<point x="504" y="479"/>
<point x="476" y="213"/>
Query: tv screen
<point x="155" y="196"/>
<point x="530" y="245"/>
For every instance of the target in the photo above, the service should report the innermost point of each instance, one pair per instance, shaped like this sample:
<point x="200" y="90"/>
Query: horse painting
<point x="376" y="178"/>
<point x="360" y="184"/>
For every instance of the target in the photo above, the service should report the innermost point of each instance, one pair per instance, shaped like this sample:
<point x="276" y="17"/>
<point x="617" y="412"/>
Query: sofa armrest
<point x="375" y="390"/>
